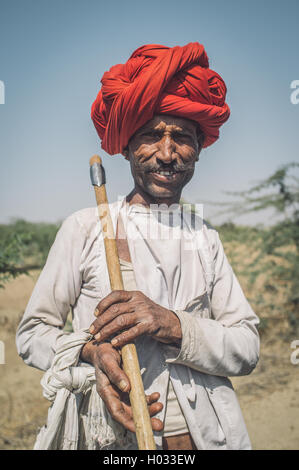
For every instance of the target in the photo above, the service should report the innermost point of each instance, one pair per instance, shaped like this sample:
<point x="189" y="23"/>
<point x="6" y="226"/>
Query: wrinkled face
<point x="162" y="155"/>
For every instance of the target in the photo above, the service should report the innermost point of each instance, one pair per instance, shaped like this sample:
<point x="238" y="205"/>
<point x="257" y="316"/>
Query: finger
<point x="118" y="325"/>
<point x="119" y="414"/>
<point x="121" y="411"/>
<point x="109" y="315"/>
<point x="129" y="336"/>
<point x="155" y="408"/>
<point x="110" y="365"/>
<point x="115" y="296"/>
<point x="152" y="398"/>
<point x="157" y="424"/>
<point x="114" y="404"/>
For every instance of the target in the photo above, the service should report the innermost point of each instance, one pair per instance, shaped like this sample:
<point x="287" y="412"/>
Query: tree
<point x="277" y="247"/>
<point x="11" y="247"/>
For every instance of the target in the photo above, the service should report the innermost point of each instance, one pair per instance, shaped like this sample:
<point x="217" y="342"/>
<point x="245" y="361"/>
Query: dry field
<point x="269" y="397"/>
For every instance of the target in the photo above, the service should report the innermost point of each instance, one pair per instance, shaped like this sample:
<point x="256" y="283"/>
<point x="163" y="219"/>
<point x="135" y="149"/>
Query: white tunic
<point x="174" y="421"/>
<point x="180" y="266"/>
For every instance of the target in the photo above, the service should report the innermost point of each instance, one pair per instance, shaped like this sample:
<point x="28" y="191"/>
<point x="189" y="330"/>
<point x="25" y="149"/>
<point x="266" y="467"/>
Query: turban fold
<point x="159" y="80"/>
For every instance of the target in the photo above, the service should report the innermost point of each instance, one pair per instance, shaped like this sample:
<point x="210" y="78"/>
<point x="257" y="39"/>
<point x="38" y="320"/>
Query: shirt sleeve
<point x="54" y="295"/>
<point x="227" y="344"/>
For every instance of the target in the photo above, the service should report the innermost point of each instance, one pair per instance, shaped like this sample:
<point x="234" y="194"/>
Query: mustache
<point x="173" y="167"/>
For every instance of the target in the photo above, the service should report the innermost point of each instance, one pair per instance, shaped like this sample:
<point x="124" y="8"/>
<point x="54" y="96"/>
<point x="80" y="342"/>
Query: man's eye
<point x="182" y="137"/>
<point x="152" y="135"/>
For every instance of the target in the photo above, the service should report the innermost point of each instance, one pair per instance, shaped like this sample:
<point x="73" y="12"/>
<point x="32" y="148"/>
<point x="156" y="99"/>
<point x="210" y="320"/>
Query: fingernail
<point x="96" y="312"/>
<point x="114" y="342"/>
<point x="92" y="330"/>
<point x="122" y="385"/>
<point x="97" y="336"/>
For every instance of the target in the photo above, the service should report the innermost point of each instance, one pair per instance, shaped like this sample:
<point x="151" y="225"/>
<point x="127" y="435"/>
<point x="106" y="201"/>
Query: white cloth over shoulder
<point x="77" y="418"/>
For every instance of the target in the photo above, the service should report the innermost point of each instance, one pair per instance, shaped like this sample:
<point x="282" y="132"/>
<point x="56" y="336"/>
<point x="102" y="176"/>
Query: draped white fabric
<point x="77" y="418"/>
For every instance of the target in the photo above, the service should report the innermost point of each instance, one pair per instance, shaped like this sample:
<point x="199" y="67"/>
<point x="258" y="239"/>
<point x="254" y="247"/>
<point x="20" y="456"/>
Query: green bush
<point x="23" y="246"/>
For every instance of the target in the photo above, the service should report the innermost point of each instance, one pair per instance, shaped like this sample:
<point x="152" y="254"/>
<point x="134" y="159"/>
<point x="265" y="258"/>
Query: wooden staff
<point x="142" y="422"/>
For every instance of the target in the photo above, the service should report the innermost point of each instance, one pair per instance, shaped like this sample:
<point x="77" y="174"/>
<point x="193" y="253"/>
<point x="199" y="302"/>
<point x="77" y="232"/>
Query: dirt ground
<point x="269" y="397"/>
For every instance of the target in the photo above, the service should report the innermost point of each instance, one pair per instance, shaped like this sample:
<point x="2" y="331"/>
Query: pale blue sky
<point x="53" y="54"/>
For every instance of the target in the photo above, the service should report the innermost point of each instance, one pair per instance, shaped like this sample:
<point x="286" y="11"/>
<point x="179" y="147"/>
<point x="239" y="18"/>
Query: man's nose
<point x="167" y="148"/>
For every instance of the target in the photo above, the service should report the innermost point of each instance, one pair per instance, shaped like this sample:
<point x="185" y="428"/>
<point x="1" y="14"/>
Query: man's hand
<point x="129" y="314"/>
<point x="113" y="385"/>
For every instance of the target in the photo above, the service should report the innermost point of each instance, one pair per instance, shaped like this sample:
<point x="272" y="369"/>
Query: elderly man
<point x="182" y="305"/>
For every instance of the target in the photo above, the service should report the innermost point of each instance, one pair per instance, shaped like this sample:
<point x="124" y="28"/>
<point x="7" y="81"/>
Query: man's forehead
<point x="161" y="122"/>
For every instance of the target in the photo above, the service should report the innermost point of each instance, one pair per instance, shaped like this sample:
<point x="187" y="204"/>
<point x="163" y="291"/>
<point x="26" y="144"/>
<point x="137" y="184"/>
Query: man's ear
<point x="198" y="153"/>
<point x="126" y="153"/>
<point x="200" y="140"/>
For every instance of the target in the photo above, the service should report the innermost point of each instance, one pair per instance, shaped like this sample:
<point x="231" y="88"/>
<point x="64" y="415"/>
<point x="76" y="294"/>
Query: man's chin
<point x="157" y="192"/>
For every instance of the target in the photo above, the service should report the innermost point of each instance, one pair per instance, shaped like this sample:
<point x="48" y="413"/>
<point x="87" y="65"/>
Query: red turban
<point x="159" y="80"/>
